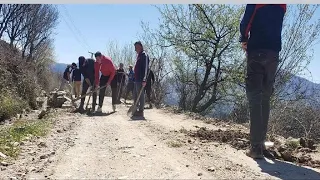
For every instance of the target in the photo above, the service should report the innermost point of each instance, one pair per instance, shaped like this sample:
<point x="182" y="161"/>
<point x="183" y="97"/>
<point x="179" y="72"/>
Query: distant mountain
<point x="59" y="67"/>
<point x="294" y="87"/>
<point x="307" y="87"/>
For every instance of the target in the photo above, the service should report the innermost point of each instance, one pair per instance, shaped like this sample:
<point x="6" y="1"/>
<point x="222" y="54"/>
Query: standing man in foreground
<point x="106" y="67"/>
<point x="264" y="22"/>
<point x="86" y="67"/>
<point x="140" y="75"/>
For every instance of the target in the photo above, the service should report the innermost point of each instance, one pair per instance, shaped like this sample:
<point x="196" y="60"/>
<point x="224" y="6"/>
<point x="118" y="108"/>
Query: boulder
<point x="61" y="93"/>
<point x="3" y="155"/>
<point x="67" y="105"/>
<point x="58" y="98"/>
<point x="41" y="102"/>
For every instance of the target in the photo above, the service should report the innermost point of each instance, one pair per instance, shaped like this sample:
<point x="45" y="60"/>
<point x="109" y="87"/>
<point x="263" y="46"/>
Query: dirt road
<point x="115" y="147"/>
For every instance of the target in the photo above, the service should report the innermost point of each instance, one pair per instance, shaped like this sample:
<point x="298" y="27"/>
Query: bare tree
<point x="298" y="118"/>
<point x="161" y="58"/>
<point x="41" y="21"/>
<point x="300" y="33"/>
<point x="18" y="24"/>
<point x="8" y="12"/>
<point x="121" y="54"/>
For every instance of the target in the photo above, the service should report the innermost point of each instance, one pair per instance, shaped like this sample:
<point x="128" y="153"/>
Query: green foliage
<point x="206" y="37"/>
<point x="10" y="104"/>
<point x="10" y="137"/>
<point x="26" y="57"/>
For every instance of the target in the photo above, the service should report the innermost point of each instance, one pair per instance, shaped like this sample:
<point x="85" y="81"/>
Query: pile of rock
<point x="59" y="99"/>
<point x="296" y="150"/>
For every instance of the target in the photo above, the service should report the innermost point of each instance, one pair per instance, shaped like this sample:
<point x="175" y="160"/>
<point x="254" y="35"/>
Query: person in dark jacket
<point x="148" y="88"/>
<point x="76" y="80"/>
<point x="65" y="77"/>
<point x="121" y="78"/>
<point x="262" y="46"/>
<point x="86" y="67"/>
<point x="105" y="66"/>
<point x="130" y="84"/>
<point x="140" y="76"/>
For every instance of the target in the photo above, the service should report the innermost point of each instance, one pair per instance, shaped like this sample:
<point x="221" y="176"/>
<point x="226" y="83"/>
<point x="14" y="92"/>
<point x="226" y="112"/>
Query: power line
<point x="73" y="32"/>
<point x="73" y="24"/>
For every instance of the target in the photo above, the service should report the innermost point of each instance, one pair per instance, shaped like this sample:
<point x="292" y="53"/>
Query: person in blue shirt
<point x="130" y="84"/>
<point x="260" y="29"/>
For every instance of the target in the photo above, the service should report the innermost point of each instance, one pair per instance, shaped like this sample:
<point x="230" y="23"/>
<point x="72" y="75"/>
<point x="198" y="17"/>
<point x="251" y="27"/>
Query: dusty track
<point x="114" y="147"/>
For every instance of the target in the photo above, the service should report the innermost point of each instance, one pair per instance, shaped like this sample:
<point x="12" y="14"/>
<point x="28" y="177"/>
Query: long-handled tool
<point x="133" y="108"/>
<point x="89" y="93"/>
<point x="88" y="100"/>
<point x="91" y="89"/>
<point x="118" y="97"/>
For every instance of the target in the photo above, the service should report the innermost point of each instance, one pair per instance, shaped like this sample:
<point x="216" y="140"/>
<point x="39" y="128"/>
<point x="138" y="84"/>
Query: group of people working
<point x="260" y="29"/>
<point x="101" y="72"/>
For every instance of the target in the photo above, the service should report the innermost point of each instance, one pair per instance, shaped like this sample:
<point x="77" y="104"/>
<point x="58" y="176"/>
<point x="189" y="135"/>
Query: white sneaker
<point x="114" y="108"/>
<point x="99" y="110"/>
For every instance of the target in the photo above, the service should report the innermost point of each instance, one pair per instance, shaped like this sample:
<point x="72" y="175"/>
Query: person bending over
<point x="105" y="66"/>
<point x="86" y="67"/>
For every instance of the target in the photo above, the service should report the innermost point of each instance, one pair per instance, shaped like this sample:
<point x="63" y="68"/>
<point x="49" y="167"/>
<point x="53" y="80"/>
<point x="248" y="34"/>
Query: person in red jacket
<point x="105" y="65"/>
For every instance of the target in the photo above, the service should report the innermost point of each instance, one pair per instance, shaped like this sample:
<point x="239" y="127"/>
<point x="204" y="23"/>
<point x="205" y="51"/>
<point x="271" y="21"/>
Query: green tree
<point x="206" y="35"/>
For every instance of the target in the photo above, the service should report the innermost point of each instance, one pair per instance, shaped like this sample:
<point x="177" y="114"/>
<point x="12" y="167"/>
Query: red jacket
<point x="106" y="67"/>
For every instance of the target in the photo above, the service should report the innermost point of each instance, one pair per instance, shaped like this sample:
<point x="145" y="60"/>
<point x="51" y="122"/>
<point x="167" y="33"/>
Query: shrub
<point x="10" y="104"/>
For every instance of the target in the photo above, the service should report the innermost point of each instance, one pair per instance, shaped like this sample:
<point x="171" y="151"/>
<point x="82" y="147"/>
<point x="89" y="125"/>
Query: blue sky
<point x="99" y="24"/>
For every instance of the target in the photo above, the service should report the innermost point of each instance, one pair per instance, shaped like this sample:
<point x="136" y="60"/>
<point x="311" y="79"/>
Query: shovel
<point x="89" y="93"/>
<point x="89" y="99"/>
<point x="133" y="108"/>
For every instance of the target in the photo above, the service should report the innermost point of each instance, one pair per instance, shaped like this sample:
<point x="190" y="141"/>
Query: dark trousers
<point x="261" y="68"/>
<point x="119" y="93"/>
<point x="102" y="92"/>
<point x="137" y="88"/>
<point x="85" y="87"/>
<point x="148" y="93"/>
<point x="130" y="88"/>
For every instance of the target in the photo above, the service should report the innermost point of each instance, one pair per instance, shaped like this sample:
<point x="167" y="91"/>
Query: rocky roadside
<point x="298" y="151"/>
<point x="301" y="151"/>
<point x="36" y="153"/>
